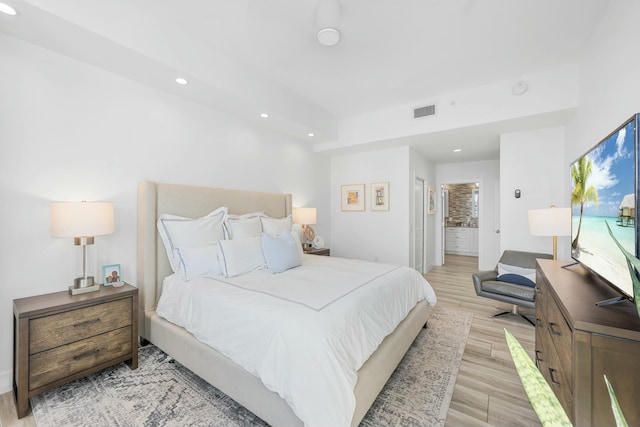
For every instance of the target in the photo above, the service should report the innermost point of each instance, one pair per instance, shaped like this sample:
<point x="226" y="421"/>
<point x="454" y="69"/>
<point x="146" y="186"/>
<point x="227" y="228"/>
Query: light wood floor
<point x="488" y="391"/>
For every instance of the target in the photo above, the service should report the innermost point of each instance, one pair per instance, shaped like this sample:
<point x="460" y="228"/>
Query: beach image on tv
<point x="603" y="190"/>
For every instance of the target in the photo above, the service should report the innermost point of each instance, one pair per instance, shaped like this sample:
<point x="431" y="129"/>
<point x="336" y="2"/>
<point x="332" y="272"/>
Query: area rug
<point x="161" y="392"/>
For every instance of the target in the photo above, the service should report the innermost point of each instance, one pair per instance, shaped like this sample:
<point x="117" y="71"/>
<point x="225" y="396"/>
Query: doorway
<point x="418" y="221"/>
<point x="460" y="225"/>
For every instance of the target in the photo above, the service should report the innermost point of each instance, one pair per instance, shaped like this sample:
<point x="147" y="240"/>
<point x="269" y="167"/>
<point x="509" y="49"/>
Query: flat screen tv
<point x="604" y="190"/>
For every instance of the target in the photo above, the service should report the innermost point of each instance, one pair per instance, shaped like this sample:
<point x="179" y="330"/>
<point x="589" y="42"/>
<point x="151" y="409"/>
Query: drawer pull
<point x="87" y="323"/>
<point x="539" y="356"/>
<point x="87" y="354"/>
<point x="552" y="330"/>
<point x="552" y="377"/>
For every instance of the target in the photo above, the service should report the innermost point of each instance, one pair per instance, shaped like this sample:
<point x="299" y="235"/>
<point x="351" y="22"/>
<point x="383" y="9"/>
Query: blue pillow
<point x="281" y="252"/>
<point x="517" y="279"/>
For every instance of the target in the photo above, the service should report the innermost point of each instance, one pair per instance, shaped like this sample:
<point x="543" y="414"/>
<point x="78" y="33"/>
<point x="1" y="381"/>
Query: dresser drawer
<point x="555" y="374"/>
<point x="562" y="338"/>
<point x="60" y="362"/>
<point x="60" y="329"/>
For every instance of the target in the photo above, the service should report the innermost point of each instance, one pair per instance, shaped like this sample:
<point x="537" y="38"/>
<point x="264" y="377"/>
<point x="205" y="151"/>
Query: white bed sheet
<point x="304" y="332"/>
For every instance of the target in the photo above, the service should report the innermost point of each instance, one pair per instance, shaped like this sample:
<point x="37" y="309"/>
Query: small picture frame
<point x="352" y="198"/>
<point x="380" y="196"/>
<point x="111" y="275"/>
<point x="431" y="201"/>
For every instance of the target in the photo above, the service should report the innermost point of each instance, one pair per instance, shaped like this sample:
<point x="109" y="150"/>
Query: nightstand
<point x="318" y="251"/>
<point x="61" y="337"/>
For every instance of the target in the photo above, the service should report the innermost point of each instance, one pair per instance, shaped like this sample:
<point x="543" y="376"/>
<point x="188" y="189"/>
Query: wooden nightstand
<point x="318" y="251"/>
<point x="61" y="337"/>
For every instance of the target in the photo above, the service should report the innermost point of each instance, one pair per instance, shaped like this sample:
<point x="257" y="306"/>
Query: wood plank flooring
<point x="488" y="391"/>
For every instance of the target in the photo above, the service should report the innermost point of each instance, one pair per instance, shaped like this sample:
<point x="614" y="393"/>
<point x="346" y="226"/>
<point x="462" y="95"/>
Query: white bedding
<point x="304" y="332"/>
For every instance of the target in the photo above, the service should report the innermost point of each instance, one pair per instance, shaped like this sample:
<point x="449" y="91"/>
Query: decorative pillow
<point x="275" y="226"/>
<point x="281" y="253"/>
<point x="240" y="256"/>
<point x="182" y="232"/>
<point x="243" y="227"/>
<point x="515" y="274"/>
<point x="295" y="236"/>
<point x="199" y="261"/>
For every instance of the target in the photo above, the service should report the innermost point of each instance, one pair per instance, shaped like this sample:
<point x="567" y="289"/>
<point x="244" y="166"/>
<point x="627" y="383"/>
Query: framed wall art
<point x="380" y="196"/>
<point x="431" y="201"/>
<point x="352" y="198"/>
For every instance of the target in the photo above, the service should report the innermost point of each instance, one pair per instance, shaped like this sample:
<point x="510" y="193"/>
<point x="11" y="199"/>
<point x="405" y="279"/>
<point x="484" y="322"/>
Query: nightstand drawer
<point x="60" y="329"/>
<point x="52" y="365"/>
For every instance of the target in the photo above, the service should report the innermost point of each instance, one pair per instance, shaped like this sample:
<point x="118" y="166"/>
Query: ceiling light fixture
<point x="7" y="10"/>
<point x="457" y="150"/>
<point x="181" y="81"/>
<point x="328" y="14"/>
<point x="264" y="115"/>
<point x="311" y="134"/>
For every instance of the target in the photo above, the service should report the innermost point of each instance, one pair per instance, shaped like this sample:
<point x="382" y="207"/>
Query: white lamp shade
<point x="550" y="222"/>
<point x="81" y="219"/>
<point x="304" y="216"/>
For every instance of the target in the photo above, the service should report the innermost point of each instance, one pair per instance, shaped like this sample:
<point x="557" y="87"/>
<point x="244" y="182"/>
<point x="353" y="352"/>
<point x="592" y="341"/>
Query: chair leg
<point x="515" y="310"/>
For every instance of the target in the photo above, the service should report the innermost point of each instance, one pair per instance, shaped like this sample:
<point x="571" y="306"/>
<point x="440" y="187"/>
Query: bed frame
<point x="215" y="368"/>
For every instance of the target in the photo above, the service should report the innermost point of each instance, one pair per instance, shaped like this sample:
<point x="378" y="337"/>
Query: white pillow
<point x="243" y="227"/>
<point x="240" y="256"/>
<point x="181" y="232"/>
<point x="275" y="226"/>
<point x="199" y="261"/>
<point x="295" y="236"/>
<point x="280" y="253"/>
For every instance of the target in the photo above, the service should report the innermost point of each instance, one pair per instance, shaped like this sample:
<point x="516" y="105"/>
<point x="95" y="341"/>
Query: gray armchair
<point x="487" y="285"/>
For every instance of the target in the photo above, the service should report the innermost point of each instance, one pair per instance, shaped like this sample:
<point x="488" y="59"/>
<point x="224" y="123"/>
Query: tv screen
<point x="604" y="190"/>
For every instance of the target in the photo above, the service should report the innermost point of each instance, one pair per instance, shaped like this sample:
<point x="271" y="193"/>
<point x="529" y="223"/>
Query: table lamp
<point x="550" y="222"/>
<point x="82" y="221"/>
<point x="306" y="217"/>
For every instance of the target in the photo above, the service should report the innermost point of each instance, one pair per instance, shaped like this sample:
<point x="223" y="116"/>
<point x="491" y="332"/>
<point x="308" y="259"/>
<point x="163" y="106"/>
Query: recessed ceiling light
<point x="311" y="134"/>
<point x="7" y="10"/>
<point x="457" y="150"/>
<point x="264" y="115"/>
<point x="181" y="81"/>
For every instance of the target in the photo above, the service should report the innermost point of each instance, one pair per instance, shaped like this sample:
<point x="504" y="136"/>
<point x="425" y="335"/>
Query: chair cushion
<point x="503" y="288"/>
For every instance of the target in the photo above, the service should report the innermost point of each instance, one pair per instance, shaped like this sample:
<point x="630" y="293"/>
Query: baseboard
<point x="5" y="382"/>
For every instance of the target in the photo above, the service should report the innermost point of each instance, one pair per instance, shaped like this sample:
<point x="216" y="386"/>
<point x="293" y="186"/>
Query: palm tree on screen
<point x="581" y="194"/>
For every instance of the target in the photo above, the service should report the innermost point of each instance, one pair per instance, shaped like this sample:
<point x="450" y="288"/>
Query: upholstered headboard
<point x="155" y="199"/>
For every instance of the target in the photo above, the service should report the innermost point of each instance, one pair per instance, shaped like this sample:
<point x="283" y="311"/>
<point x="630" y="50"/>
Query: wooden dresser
<point x="59" y="337"/>
<point x="577" y="343"/>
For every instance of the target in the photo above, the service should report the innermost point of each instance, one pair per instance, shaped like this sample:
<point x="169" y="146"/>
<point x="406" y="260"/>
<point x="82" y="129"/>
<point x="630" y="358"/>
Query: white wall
<point x="71" y="132"/>
<point x="533" y="162"/>
<point x="552" y="89"/>
<point x="609" y="79"/>
<point x="374" y="236"/>
<point x="487" y="174"/>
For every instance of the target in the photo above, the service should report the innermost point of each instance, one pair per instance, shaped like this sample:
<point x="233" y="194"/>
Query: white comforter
<point x="304" y="332"/>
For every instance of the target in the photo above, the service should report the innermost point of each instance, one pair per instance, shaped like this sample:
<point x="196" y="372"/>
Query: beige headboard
<point x="155" y="199"/>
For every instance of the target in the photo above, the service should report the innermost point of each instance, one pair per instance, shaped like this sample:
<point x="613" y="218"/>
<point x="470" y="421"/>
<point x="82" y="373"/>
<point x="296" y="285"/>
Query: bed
<point x="247" y="389"/>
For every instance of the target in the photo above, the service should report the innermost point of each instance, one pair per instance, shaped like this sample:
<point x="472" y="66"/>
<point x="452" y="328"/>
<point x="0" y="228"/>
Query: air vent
<point x="429" y="110"/>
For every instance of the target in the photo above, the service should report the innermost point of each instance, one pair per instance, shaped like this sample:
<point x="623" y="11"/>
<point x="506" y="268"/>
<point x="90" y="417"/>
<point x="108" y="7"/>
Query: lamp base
<point x="83" y="285"/>
<point x="77" y="291"/>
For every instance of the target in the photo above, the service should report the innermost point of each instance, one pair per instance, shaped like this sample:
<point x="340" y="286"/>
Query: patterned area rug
<point x="161" y="392"/>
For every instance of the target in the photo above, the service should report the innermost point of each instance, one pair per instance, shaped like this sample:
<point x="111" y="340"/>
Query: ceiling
<point x="243" y="55"/>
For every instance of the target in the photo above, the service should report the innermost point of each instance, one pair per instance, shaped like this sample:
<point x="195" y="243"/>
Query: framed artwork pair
<point x="353" y="199"/>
